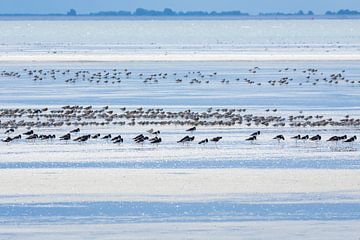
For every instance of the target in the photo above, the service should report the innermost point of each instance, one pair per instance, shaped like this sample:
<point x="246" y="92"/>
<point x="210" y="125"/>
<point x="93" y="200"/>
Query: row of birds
<point x="154" y="139"/>
<point x="312" y="76"/>
<point x="79" y="116"/>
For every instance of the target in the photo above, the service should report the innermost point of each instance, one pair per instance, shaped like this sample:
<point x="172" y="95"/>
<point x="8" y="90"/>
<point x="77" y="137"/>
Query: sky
<point x="250" y="6"/>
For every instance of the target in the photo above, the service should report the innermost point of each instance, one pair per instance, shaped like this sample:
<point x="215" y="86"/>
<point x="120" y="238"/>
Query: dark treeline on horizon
<point x="167" y="12"/>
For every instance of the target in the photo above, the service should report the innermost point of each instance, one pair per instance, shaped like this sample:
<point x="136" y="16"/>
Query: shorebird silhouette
<point x="216" y="139"/>
<point x="66" y="137"/>
<point x="352" y="139"/>
<point x="204" y="141"/>
<point x="279" y="138"/>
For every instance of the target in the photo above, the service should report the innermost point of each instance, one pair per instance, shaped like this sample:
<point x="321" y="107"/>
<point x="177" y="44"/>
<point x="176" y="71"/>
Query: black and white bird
<point x="252" y="138"/>
<point x="11" y="130"/>
<point x="191" y="129"/>
<point x="216" y="139"/>
<point x="156" y="140"/>
<point x="255" y="133"/>
<point x="279" y="138"/>
<point x="204" y="141"/>
<point x="352" y="139"/>
<point x="315" y="138"/>
<point x="75" y="130"/>
<point x="66" y="137"/>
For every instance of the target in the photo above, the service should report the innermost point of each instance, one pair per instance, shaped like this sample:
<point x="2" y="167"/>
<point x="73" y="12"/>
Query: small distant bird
<point x="8" y="139"/>
<point x="65" y="137"/>
<point x="216" y="139"/>
<point x="11" y="130"/>
<point x="255" y="134"/>
<point x="186" y="139"/>
<point x="115" y="139"/>
<point x="306" y="137"/>
<point x="297" y="137"/>
<point x="279" y="138"/>
<point x="315" y="138"/>
<point x="352" y="139"/>
<point x="33" y="136"/>
<point x="333" y="139"/>
<point x="191" y="129"/>
<point x="138" y="137"/>
<point x="252" y="138"/>
<point x="29" y="132"/>
<point x="75" y="130"/>
<point x="141" y="140"/>
<point x="204" y="141"/>
<point x="17" y="137"/>
<point x="107" y="136"/>
<point x="96" y="136"/>
<point x="118" y="139"/>
<point x="157" y="140"/>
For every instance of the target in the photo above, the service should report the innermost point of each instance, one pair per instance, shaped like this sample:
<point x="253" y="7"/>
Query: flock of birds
<point x="309" y="76"/>
<point x="104" y="116"/>
<point x="153" y="137"/>
<point x="73" y="135"/>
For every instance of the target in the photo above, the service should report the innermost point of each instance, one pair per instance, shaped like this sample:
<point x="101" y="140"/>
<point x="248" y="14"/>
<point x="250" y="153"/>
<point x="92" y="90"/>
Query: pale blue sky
<point x="251" y="6"/>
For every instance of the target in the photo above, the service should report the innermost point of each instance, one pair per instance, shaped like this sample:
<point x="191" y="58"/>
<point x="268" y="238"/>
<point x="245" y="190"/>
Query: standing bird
<point x="75" y="130"/>
<point x="204" y="141"/>
<point x="191" y="129"/>
<point x="315" y="138"/>
<point x="29" y="133"/>
<point x="304" y="138"/>
<point x="279" y="138"/>
<point x="252" y="139"/>
<point x="11" y="130"/>
<point x="255" y="134"/>
<point x="66" y="137"/>
<point x="297" y="137"/>
<point x="216" y="139"/>
<point x="157" y="140"/>
<point x="352" y="139"/>
<point x="107" y="137"/>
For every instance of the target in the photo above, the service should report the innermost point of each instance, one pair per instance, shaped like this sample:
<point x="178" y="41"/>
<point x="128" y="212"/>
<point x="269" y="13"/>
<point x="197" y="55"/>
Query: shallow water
<point x="233" y="189"/>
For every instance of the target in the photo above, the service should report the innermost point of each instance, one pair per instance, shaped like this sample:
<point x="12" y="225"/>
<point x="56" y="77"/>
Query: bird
<point x="16" y="137"/>
<point x="141" y="140"/>
<point x="156" y="140"/>
<point x="352" y="139"/>
<point x="204" y="141"/>
<point x="75" y="130"/>
<point x="297" y="137"/>
<point x="33" y="136"/>
<point x="279" y="138"/>
<point x="315" y="138"/>
<point x="118" y="139"/>
<point x="29" y="133"/>
<point x="83" y="138"/>
<point x="191" y="129"/>
<point x="107" y="137"/>
<point x="96" y="136"/>
<point x="8" y="139"/>
<point x="255" y="133"/>
<point x="333" y="139"/>
<point x="138" y="137"/>
<point x="186" y="139"/>
<point x="304" y="138"/>
<point x="66" y="137"/>
<point x="252" y="138"/>
<point x="11" y="130"/>
<point x="216" y="139"/>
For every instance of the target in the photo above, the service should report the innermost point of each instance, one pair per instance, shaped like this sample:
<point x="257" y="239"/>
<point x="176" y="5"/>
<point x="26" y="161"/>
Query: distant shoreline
<point x="90" y="17"/>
